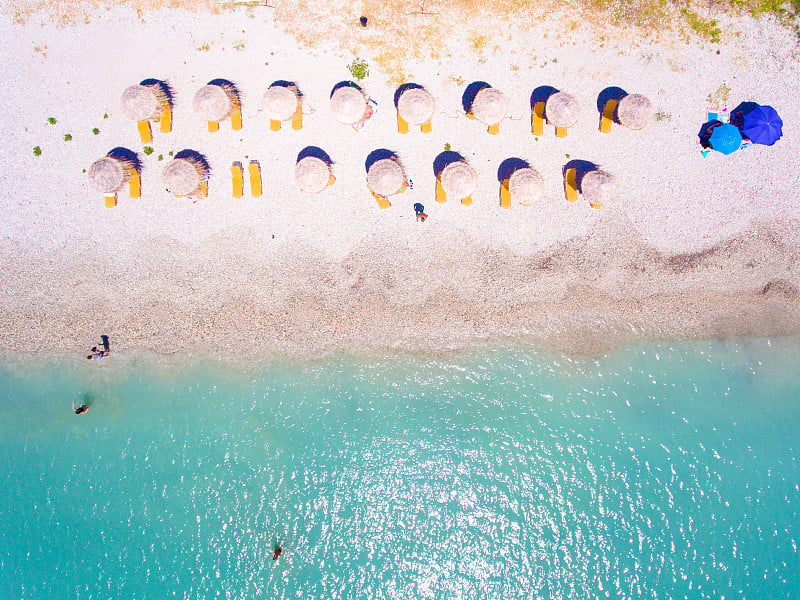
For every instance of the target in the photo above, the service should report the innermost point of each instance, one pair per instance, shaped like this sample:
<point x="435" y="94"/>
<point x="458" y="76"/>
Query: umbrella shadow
<point x="610" y="93"/>
<point x="403" y="88"/>
<point x="126" y="155"/>
<point x="705" y="132"/>
<point x="195" y="156"/>
<point x="582" y="167"/>
<point x="342" y="84"/>
<point x="509" y="166"/>
<point x="379" y="154"/>
<point x="287" y="84"/>
<point x="225" y="83"/>
<point x="469" y="94"/>
<point x="315" y="152"/>
<point x="165" y="88"/>
<point x="738" y="113"/>
<point x="542" y="94"/>
<point x="447" y="157"/>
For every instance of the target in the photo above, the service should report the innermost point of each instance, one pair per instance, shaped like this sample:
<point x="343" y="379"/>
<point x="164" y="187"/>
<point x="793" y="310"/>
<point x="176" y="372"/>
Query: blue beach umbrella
<point x="725" y="138"/>
<point x="762" y="125"/>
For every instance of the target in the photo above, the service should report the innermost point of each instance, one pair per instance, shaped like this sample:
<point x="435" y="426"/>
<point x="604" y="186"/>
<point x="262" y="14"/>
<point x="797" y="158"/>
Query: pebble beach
<point x="690" y="246"/>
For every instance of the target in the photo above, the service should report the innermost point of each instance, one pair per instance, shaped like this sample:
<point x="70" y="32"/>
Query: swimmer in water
<point x="82" y="409"/>
<point x="277" y="552"/>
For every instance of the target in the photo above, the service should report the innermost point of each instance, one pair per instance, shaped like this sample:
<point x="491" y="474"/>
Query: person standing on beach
<point x="97" y="353"/>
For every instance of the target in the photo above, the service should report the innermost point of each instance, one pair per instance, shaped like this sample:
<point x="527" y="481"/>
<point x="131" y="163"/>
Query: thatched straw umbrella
<point x="562" y="109"/>
<point x="459" y="179"/>
<point x="597" y="187"/>
<point x="416" y="106"/>
<point x="183" y="176"/>
<point x="214" y="102"/>
<point x="108" y="174"/>
<point x="526" y="185"/>
<point x="489" y="106"/>
<point x="143" y="102"/>
<point x="348" y="104"/>
<point x="312" y="174"/>
<point x="280" y="103"/>
<point x="634" y="111"/>
<point x="386" y="177"/>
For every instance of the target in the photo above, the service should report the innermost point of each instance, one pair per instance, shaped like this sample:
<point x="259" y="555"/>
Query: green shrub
<point x="67" y="137"/>
<point x="95" y="131"/>
<point x="359" y="69"/>
<point x="702" y="27"/>
<point x="148" y="150"/>
<point x="37" y="151"/>
<point x="51" y="120"/>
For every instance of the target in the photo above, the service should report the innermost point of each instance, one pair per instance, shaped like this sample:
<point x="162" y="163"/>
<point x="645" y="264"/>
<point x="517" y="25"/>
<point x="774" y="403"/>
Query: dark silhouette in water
<point x="81" y="410"/>
<point x="276" y="553"/>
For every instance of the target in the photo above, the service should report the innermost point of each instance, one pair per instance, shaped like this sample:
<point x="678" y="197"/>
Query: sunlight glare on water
<point x="661" y="471"/>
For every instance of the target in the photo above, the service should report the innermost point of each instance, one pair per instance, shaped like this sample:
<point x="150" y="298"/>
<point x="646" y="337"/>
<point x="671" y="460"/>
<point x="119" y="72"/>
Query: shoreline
<point x="576" y="299"/>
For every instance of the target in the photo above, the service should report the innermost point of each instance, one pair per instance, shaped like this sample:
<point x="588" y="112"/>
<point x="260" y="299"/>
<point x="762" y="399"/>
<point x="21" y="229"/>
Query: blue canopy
<point x="725" y="138"/>
<point x="762" y="125"/>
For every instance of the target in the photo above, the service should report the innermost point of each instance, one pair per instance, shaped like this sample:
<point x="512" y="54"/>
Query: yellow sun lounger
<point x="441" y="197"/>
<point x="383" y="201"/>
<point x="570" y="187"/>
<point x="145" y="133"/>
<point x="237" y="179"/>
<point x="166" y="119"/>
<point x="255" y="178"/>
<point x="203" y="190"/>
<point x="213" y="126"/>
<point x="494" y="129"/>
<point x="274" y="125"/>
<point x="426" y="127"/>
<point x="505" y="195"/>
<point x="561" y="132"/>
<point x="297" y="119"/>
<point x="236" y="116"/>
<point x="608" y="116"/>
<point x="537" y="119"/>
<point x="134" y="183"/>
<point x="331" y="180"/>
<point x="402" y="125"/>
<point x="466" y="201"/>
<point x="470" y="115"/>
<point x="110" y="200"/>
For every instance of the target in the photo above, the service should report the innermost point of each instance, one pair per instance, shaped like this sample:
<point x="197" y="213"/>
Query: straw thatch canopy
<point x="182" y="176"/>
<point x="634" y="111"/>
<point x="142" y="103"/>
<point x="598" y="186"/>
<point x="348" y="105"/>
<point x="562" y="109"/>
<point x="107" y="175"/>
<point x="490" y="106"/>
<point x="416" y="106"/>
<point x="312" y="174"/>
<point x="386" y="177"/>
<point x="459" y="179"/>
<point x="526" y="185"/>
<point x="279" y="102"/>
<point x="213" y="102"/>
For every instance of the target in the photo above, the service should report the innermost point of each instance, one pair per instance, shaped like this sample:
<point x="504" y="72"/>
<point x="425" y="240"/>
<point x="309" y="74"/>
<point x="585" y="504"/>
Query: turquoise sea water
<point x="659" y="471"/>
